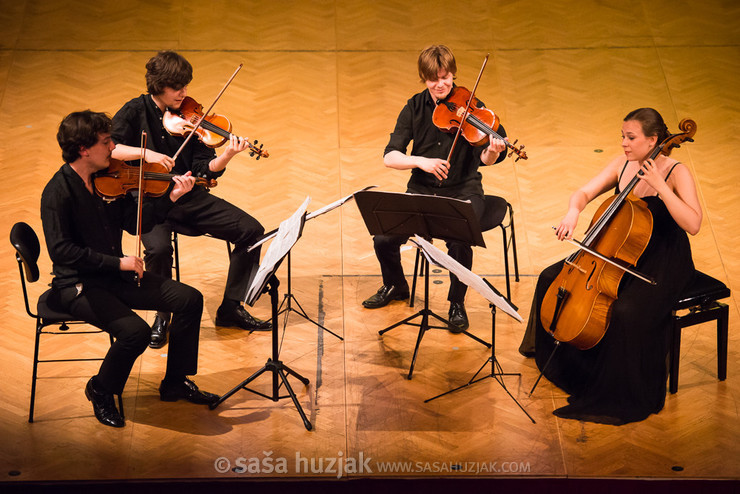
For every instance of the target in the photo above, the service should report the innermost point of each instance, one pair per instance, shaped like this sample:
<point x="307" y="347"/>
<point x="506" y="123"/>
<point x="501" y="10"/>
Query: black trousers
<point x="108" y="304"/>
<point x="388" y="252"/>
<point x="200" y="213"/>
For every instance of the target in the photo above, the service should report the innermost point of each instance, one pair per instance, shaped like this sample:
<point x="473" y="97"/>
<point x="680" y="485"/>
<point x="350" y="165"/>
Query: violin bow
<point x="467" y="107"/>
<point x="200" y="120"/>
<point x="140" y="204"/>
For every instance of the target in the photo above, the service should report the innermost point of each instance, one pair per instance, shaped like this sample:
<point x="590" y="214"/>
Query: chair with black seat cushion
<point x="701" y="299"/>
<point x="27" y="249"/>
<point x="498" y="213"/>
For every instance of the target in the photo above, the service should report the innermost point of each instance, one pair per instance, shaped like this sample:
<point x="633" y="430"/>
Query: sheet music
<point x="436" y="256"/>
<point x="312" y="215"/>
<point x="285" y="238"/>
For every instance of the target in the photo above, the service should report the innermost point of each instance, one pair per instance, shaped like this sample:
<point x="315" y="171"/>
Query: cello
<point x="577" y="306"/>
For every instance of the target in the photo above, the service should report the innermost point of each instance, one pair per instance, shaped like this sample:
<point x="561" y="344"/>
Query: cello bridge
<point x="570" y="263"/>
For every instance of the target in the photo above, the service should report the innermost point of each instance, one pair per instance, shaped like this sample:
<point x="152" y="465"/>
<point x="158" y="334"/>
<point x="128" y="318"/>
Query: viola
<point x="120" y="178"/>
<point x="478" y="124"/>
<point x="213" y="131"/>
<point x="577" y="306"/>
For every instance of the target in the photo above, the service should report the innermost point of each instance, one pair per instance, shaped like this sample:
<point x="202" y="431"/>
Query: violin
<point x="120" y="178"/>
<point x="577" y="306"/>
<point x="213" y="131"/>
<point x="480" y="122"/>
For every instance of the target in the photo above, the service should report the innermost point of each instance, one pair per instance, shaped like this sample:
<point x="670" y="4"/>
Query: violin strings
<point x="222" y="132"/>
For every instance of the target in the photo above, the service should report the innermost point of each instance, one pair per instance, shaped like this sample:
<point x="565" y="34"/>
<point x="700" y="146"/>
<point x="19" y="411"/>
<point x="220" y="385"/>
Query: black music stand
<point x="264" y="280"/>
<point x="495" y="298"/>
<point x="392" y="213"/>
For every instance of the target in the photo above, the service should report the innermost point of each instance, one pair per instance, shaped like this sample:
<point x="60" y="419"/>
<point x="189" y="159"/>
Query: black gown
<point x="623" y="378"/>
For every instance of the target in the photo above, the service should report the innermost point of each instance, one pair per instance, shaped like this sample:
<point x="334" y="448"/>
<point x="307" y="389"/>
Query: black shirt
<point x="142" y="114"/>
<point x="83" y="232"/>
<point x="415" y="123"/>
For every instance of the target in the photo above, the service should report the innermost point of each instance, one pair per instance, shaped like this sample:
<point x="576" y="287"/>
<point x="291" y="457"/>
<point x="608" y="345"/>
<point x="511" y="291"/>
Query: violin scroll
<point x="520" y="153"/>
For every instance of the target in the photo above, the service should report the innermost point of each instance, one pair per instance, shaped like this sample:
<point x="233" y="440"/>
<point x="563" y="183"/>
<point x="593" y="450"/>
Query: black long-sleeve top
<point x="415" y="123"/>
<point x="142" y="114"/>
<point x="83" y="232"/>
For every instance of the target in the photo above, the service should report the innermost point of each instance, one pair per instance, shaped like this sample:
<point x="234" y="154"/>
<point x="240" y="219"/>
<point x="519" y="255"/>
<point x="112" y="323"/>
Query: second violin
<point x="213" y="131"/>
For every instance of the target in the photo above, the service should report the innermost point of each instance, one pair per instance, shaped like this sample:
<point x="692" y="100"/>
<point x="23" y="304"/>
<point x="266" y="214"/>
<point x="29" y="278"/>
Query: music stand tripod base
<point x="287" y="307"/>
<point x="496" y="371"/>
<point x="424" y="325"/>
<point x="273" y="365"/>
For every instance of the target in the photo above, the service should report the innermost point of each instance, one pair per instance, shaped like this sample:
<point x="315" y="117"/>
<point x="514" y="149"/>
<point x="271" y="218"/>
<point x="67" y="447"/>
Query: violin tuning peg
<point x="255" y="142"/>
<point x="515" y="141"/>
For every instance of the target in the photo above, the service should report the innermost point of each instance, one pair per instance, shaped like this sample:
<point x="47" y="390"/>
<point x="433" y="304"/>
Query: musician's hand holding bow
<point x="436" y="166"/>
<point x="567" y="225"/>
<point x="162" y="159"/>
<point x="133" y="263"/>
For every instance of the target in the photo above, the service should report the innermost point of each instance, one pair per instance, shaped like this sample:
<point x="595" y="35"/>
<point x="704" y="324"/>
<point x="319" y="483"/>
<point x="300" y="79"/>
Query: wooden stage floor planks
<point x="323" y="99"/>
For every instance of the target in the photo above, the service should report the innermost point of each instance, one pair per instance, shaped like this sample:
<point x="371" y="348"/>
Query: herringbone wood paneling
<point x="321" y="86"/>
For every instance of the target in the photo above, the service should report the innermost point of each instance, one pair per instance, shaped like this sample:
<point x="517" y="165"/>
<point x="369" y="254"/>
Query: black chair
<point x="27" y="250"/>
<point x="190" y="232"/>
<point x="498" y="213"/>
<point x="701" y="298"/>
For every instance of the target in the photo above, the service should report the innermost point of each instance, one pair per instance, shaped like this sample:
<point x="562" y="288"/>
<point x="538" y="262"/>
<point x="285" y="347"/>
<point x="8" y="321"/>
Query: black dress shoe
<point x="385" y="294"/>
<point x="104" y="406"/>
<point x="458" y="317"/>
<point x="186" y="390"/>
<point x="159" y="332"/>
<point x="240" y="318"/>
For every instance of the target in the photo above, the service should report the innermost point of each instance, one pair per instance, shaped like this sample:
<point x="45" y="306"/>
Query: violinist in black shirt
<point x="167" y="77"/>
<point x="94" y="281"/>
<point x="432" y="174"/>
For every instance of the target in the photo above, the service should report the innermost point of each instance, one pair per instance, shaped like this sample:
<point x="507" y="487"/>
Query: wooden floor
<point x="321" y="86"/>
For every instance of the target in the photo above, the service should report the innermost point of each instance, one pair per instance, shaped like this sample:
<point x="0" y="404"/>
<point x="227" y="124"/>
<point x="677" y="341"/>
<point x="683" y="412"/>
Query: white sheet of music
<point x="436" y="256"/>
<point x="284" y="240"/>
<point x="314" y="214"/>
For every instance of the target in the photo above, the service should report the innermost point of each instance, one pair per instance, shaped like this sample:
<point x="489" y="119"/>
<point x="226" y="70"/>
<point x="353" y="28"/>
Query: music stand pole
<point x="274" y="366"/>
<point x="287" y="307"/>
<point x="496" y="373"/>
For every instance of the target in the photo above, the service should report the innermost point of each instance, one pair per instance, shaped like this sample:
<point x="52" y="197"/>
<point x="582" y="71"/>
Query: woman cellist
<point x="622" y="378"/>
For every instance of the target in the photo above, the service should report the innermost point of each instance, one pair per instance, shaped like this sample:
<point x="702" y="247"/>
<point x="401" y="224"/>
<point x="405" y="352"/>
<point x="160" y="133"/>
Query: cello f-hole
<point x="589" y="285"/>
